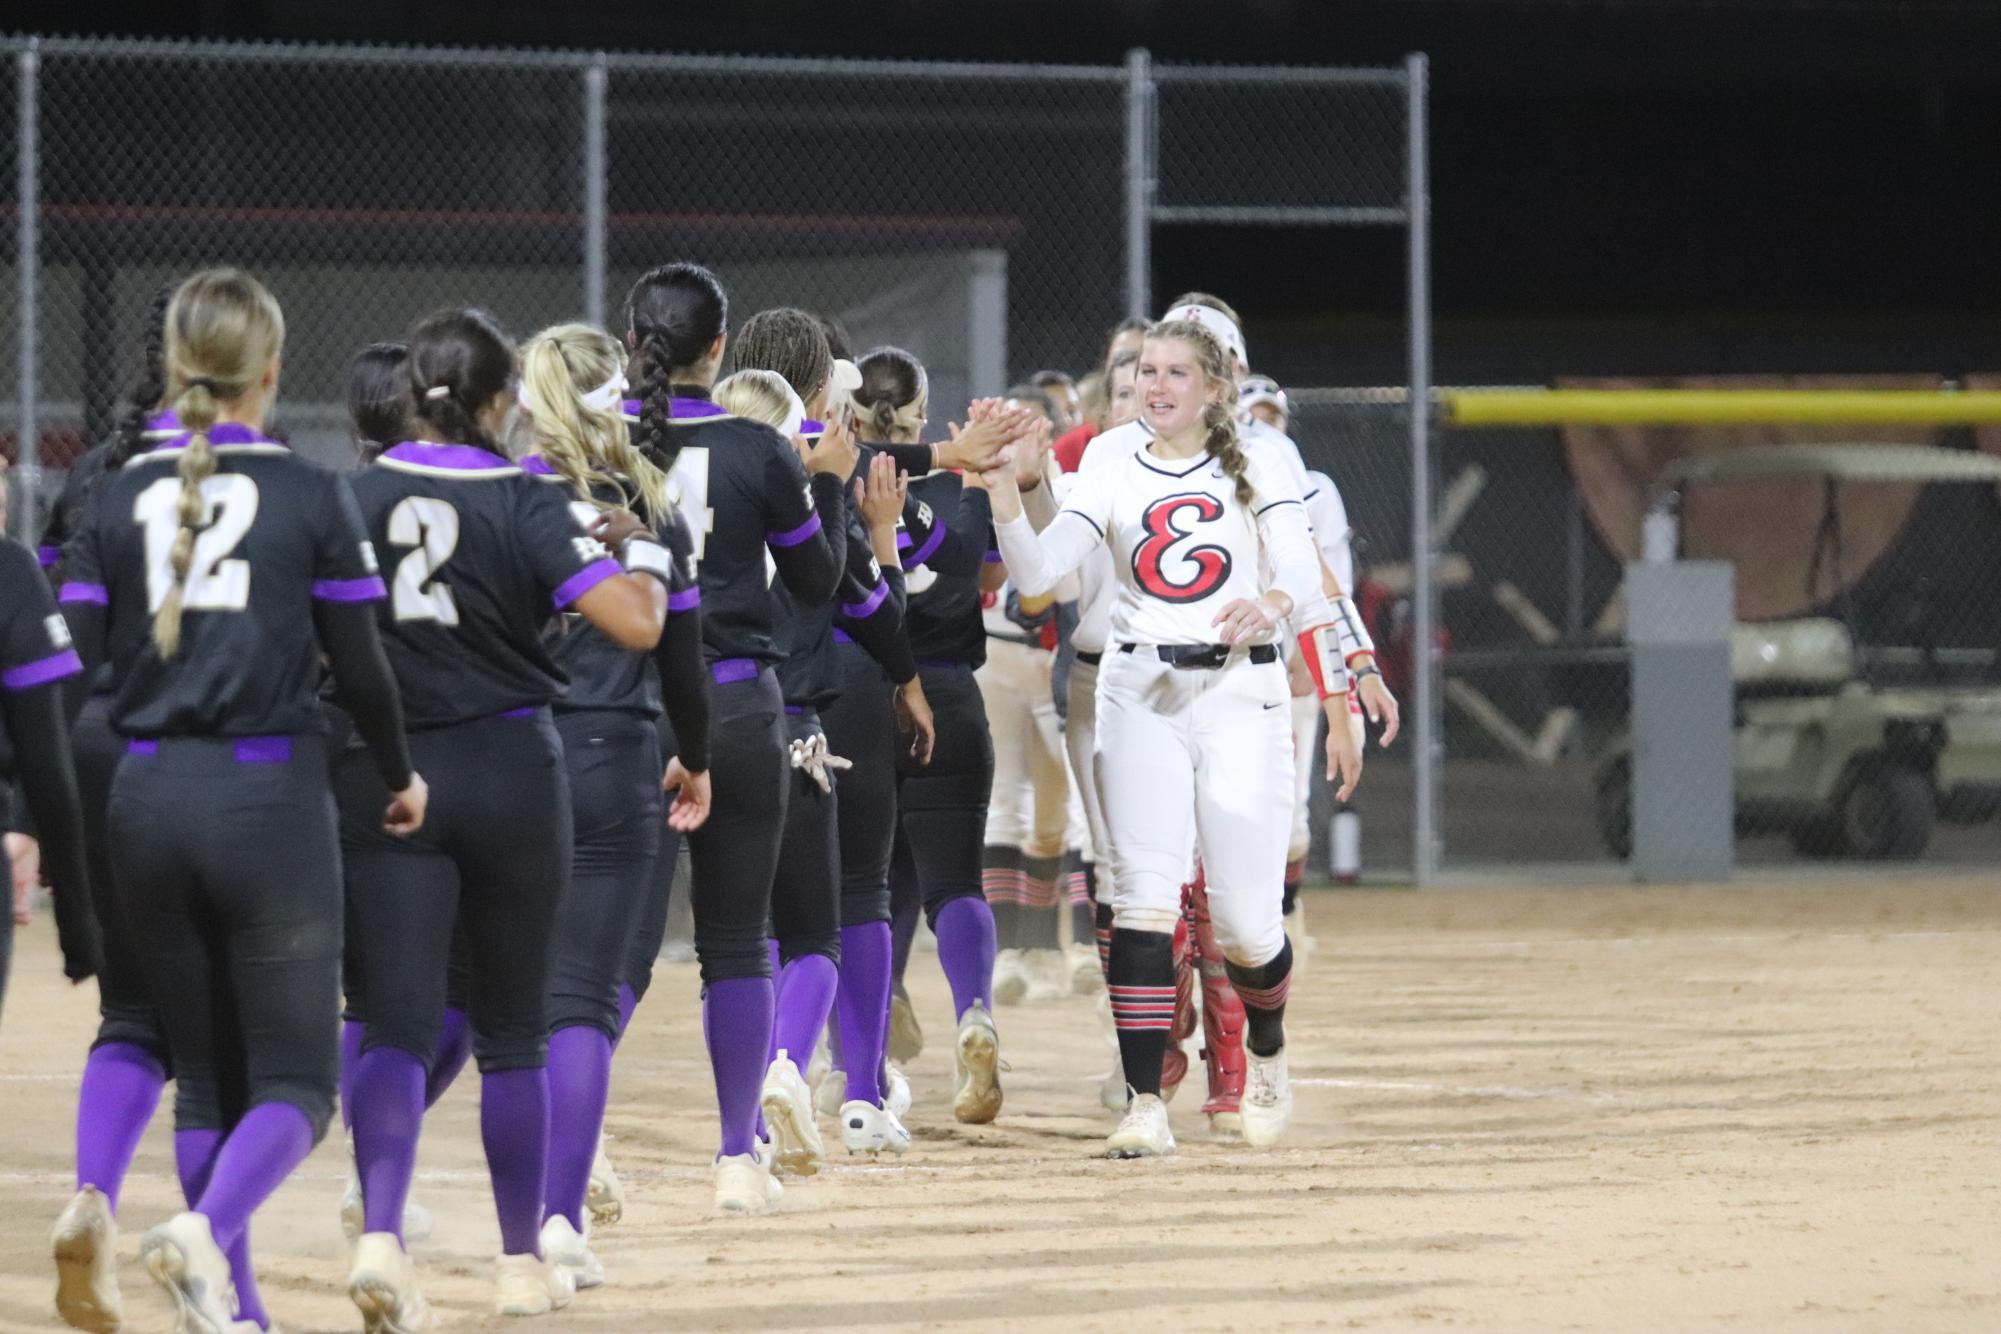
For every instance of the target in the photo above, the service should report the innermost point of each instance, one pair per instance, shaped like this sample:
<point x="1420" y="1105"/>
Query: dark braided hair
<point x="151" y="388"/>
<point x="460" y="361"/>
<point x="672" y="316"/>
<point x="792" y="343"/>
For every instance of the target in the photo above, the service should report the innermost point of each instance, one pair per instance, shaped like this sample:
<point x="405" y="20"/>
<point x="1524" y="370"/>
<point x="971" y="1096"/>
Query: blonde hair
<point x="223" y="329"/>
<point x="585" y="442"/>
<point x="1222" y="442"/>
<point x="762" y="396"/>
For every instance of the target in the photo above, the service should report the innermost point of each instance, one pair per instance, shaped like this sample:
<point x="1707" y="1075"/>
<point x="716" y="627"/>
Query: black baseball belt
<point x="1202" y="657"/>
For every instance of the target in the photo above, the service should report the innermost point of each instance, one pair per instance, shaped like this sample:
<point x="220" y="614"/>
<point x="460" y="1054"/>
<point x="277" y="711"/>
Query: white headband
<point x="795" y="414"/>
<point x="1216" y="322"/>
<point x="601" y="399"/>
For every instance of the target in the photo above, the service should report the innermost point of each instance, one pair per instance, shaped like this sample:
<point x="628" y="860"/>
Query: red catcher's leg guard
<point x="1222" y="1011"/>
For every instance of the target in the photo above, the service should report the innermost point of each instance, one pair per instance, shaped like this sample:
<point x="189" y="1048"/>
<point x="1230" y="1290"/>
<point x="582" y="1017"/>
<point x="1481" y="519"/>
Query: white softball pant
<point x="1207" y="754"/>
<point x="1080" y="739"/>
<point x="1032" y="807"/>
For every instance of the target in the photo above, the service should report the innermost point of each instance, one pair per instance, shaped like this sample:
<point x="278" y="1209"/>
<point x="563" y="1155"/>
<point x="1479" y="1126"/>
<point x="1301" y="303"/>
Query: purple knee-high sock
<point x="579" y="1082"/>
<point x="804" y="998"/>
<point x="903" y="934"/>
<point x="736" y="1023"/>
<point x="351" y="1033"/>
<point x="514" y="1126"/>
<point x="121" y="1088"/>
<point x="195" y="1153"/>
<point x="270" y="1142"/>
<point x="628" y="1001"/>
<point x="965" y="929"/>
<point x="454" y="1046"/>
<point x="388" y="1116"/>
<point x="864" y="1007"/>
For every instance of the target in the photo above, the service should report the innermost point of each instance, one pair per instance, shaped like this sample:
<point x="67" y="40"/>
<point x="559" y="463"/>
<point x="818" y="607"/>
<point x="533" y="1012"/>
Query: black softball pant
<point x="861" y="726"/>
<point x="734" y="855"/>
<point x="125" y="1007"/>
<point x="806" y="892"/>
<point x="942" y="806"/>
<point x="613" y="758"/>
<point x="226" y="856"/>
<point x="493" y="856"/>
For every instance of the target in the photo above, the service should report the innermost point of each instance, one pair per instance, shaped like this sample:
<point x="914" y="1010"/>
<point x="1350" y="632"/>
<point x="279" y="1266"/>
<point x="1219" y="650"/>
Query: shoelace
<point x="813" y="756"/>
<point x="1263" y="1088"/>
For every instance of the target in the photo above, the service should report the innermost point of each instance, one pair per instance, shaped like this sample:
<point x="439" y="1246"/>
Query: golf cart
<point x="1851" y="751"/>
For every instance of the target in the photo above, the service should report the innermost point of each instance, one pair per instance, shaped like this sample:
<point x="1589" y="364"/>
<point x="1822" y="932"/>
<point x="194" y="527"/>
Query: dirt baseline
<point x="1767" y="1108"/>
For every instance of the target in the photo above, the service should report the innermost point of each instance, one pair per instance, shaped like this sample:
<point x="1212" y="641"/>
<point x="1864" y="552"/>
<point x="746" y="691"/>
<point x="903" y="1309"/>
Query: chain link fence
<point x="1869" y="610"/>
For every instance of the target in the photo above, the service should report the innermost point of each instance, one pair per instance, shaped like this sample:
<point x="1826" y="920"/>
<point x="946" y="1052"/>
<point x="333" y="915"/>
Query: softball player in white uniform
<point x="1192" y="721"/>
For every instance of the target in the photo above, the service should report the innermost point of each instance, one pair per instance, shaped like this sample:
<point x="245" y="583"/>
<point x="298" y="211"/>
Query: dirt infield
<point x="1763" y="1109"/>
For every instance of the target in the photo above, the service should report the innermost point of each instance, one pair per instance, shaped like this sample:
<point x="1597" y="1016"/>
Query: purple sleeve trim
<point x="903" y="542"/>
<point x="584" y="580"/>
<point x="43" y="670"/>
<point x="795" y="536"/>
<point x="932" y="541"/>
<point x="686" y="600"/>
<point x="993" y="558"/>
<point x="350" y="590"/>
<point x="856" y="611"/>
<point x="48" y="556"/>
<point x="85" y="593"/>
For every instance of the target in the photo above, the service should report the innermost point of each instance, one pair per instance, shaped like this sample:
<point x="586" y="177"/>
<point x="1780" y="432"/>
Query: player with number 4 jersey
<point x="479" y="555"/>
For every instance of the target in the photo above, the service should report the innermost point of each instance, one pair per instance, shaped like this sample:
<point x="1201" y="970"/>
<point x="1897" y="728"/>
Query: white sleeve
<point x="1037" y="562"/>
<point x="1288" y="539"/>
<point x="1328" y="514"/>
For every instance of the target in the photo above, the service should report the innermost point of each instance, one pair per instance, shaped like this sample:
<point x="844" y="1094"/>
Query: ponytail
<point x="152" y="386"/>
<point x="1227" y="448"/>
<point x="197" y="410"/>
<point x="584" y="441"/>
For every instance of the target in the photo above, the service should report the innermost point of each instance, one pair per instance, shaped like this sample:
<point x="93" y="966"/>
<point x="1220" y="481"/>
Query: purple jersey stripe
<point x="458" y="458"/>
<point x="795" y="536"/>
<point x="843" y="637"/>
<point x="727" y="671"/>
<point x="43" y="670"/>
<point x="932" y="541"/>
<point x="686" y="600"/>
<point x="350" y="590"/>
<point x="48" y="555"/>
<point x="866" y="607"/>
<point x="85" y="593"/>
<point x="584" y="580"/>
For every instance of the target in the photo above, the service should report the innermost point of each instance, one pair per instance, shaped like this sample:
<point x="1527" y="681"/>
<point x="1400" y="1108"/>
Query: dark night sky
<point x="1748" y="160"/>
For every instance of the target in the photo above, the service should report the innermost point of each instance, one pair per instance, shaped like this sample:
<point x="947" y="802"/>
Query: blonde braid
<point x="1222" y="443"/>
<point x="585" y="445"/>
<point x="197" y="410"/>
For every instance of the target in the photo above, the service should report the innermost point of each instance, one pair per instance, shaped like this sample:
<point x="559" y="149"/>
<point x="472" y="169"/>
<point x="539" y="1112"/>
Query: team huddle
<point x="344" y="778"/>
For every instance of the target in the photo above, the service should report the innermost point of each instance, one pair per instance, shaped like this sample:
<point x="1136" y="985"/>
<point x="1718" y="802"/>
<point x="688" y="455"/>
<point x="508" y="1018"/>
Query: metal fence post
<point x="594" y="189"/>
<point x="1139" y="182"/>
<point x="1424" y="618"/>
<point x="27" y="258"/>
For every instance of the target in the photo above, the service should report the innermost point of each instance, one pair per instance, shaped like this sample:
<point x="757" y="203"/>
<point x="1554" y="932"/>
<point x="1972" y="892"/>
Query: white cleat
<point x="1267" y="1105"/>
<point x="788" y="1114"/>
<point x="821" y="1065"/>
<point x="1087" y="974"/>
<point x="830" y="1093"/>
<point x="383" y="1287"/>
<point x="977" y="1100"/>
<point x="528" y="1285"/>
<point x="867" y="1128"/>
<point x="1143" y="1132"/>
<point x="183" y="1258"/>
<point x="563" y="1245"/>
<point x="1011" y="980"/>
<point x="906" y="1035"/>
<point x="85" y="1241"/>
<point x="895" y="1091"/>
<point x="1048" y="974"/>
<point x="745" y="1185"/>
<point x="1113" y="1091"/>
<point x="606" y="1196"/>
